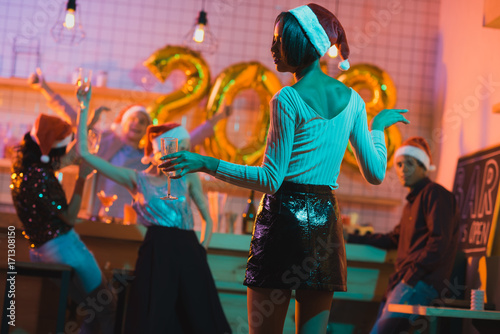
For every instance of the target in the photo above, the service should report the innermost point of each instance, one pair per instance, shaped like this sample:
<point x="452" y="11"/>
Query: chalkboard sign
<point x="476" y="190"/>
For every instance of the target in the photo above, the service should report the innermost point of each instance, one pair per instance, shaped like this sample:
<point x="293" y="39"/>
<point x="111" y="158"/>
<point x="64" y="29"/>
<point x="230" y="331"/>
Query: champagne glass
<point x="169" y="145"/>
<point x="84" y="77"/>
<point x="107" y="202"/>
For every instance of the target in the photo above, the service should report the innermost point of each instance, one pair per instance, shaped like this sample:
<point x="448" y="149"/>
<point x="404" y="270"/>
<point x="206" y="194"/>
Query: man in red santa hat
<point x="426" y="238"/>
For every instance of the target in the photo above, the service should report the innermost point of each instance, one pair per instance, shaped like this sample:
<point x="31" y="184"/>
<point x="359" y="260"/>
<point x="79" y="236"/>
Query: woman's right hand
<point x="184" y="162"/>
<point x="388" y="117"/>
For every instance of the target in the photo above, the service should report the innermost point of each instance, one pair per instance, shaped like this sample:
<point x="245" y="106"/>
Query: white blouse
<point x="303" y="147"/>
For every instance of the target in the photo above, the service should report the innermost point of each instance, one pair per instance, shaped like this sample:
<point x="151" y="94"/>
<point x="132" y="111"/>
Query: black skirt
<point x="173" y="290"/>
<point x="297" y="241"/>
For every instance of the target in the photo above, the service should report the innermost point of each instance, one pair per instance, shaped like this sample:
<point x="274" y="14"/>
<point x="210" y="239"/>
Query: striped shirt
<point x="303" y="147"/>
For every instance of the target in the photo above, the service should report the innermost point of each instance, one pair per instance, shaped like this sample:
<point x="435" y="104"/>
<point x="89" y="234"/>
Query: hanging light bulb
<point x="69" y="20"/>
<point x="68" y="28"/>
<point x="199" y="38"/>
<point x="333" y="51"/>
<point x="199" y="31"/>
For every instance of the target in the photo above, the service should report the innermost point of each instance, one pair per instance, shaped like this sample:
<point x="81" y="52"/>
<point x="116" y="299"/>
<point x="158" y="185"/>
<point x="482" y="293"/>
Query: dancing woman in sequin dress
<point x="297" y="242"/>
<point x="48" y="218"/>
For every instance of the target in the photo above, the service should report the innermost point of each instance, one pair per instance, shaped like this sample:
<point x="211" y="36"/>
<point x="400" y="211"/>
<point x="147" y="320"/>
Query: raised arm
<point x="369" y="147"/>
<point x="196" y="193"/>
<point x="123" y="176"/>
<point x="55" y="102"/>
<point x="206" y="129"/>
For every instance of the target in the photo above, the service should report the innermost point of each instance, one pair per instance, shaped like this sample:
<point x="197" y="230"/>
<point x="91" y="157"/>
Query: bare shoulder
<point x="324" y="94"/>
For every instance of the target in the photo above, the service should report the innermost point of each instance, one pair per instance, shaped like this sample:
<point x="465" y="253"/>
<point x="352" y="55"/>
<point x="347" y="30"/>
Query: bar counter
<point x="115" y="246"/>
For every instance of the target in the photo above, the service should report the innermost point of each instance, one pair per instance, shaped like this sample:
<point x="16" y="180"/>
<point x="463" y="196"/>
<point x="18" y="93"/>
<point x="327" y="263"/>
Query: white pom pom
<point x="432" y="168"/>
<point x="344" y="65"/>
<point x="45" y="159"/>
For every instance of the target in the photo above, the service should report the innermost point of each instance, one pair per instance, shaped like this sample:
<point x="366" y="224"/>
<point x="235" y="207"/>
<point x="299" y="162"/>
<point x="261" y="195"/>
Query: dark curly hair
<point x="28" y="153"/>
<point x="297" y="49"/>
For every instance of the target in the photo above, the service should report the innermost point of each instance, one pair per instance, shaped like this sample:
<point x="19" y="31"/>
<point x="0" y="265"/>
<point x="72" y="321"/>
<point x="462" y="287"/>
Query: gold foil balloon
<point x="231" y="81"/>
<point x="378" y="91"/>
<point x="161" y="63"/>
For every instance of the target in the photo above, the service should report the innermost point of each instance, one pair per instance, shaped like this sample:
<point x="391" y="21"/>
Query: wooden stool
<point x="49" y="270"/>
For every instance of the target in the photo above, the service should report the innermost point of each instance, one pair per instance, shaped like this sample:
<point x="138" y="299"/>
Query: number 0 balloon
<point x="231" y="81"/>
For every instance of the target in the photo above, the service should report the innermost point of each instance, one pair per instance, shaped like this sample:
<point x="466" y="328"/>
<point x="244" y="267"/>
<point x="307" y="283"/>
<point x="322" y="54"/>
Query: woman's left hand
<point x="187" y="162"/>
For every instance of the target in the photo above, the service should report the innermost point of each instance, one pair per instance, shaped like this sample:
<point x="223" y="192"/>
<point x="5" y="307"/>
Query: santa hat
<point x="417" y="148"/>
<point x="323" y="30"/>
<point x="50" y="132"/>
<point x="127" y="112"/>
<point x="155" y="133"/>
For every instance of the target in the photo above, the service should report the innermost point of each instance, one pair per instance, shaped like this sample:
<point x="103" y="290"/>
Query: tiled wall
<point x="400" y="36"/>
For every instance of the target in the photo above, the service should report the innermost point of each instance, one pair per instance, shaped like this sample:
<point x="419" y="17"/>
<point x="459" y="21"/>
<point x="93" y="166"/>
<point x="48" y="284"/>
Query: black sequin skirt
<point x="297" y="241"/>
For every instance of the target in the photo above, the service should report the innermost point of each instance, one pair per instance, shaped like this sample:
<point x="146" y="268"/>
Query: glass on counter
<point x="107" y="202"/>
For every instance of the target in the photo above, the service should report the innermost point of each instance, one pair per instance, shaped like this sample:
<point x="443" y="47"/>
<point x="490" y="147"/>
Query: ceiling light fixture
<point x="68" y="27"/>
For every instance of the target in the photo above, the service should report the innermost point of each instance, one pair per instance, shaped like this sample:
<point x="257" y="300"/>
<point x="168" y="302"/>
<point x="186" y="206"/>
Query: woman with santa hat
<point x="48" y="218"/>
<point x="297" y="242"/>
<point x="173" y="290"/>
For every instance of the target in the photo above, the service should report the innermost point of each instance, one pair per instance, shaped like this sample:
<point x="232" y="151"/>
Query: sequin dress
<point x="39" y="198"/>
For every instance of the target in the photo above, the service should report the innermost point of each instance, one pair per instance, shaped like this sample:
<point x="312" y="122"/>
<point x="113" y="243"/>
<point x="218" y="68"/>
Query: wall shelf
<point x="98" y="92"/>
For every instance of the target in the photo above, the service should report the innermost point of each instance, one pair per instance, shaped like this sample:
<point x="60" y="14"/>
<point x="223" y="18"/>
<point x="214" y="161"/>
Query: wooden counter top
<point x="220" y="241"/>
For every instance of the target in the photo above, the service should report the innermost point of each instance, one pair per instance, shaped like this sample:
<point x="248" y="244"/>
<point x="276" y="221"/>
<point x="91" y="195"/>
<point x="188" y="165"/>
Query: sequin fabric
<point x="39" y="198"/>
<point x="297" y="241"/>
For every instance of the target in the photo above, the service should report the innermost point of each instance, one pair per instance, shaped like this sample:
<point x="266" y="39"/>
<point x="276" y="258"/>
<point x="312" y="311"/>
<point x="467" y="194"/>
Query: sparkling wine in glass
<point x="169" y="145"/>
<point x="84" y="77"/>
<point x="106" y="201"/>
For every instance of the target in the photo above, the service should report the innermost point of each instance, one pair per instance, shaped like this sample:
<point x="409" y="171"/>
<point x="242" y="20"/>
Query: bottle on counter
<point x="249" y="215"/>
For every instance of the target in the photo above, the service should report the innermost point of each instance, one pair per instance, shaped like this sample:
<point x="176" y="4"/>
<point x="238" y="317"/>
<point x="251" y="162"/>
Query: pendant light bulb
<point x="69" y="20"/>
<point x="199" y="37"/>
<point x="68" y="28"/>
<point x="199" y="33"/>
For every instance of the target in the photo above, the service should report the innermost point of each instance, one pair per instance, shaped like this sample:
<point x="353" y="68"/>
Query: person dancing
<point x="173" y="290"/>
<point x="48" y="219"/>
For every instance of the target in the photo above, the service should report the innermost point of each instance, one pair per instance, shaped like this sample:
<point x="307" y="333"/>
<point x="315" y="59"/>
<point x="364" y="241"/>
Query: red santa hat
<point x="50" y="132"/>
<point x="127" y="112"/>
<point x="323" y="30"/>
<point x="418" y="148"/>
<point x="154" y="134"/>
